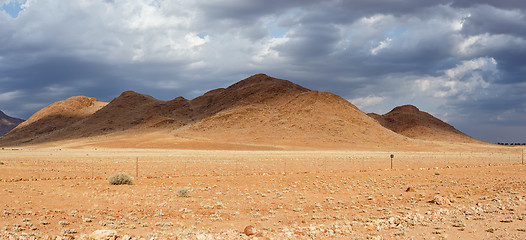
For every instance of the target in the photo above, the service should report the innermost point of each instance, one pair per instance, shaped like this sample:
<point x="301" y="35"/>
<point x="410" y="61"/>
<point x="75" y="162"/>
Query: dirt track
<point x="283" y="194"/>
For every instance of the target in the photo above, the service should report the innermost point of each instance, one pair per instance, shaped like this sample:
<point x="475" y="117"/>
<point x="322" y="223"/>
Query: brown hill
<point x="53" y="118"/>
<point x="308" y="118"/>
<point x="409" y="121"/>
<point x="7" y="123"/>
<point x="134" y="111"/>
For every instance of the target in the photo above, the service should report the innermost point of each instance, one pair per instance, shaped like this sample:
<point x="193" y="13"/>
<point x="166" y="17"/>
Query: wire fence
<point x="30" y="165"/>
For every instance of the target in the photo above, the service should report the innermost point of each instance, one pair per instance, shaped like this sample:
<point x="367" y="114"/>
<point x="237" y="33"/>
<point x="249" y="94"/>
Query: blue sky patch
<point x="13" y="8"/>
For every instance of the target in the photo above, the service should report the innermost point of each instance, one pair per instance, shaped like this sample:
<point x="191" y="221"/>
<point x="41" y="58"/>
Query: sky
<point x="462" y="61"/>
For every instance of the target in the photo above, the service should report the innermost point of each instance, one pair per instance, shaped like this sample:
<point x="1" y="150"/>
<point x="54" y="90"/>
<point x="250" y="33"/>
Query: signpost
<point x="392" y="156"/>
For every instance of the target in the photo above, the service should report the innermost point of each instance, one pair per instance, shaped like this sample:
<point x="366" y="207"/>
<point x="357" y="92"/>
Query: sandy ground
<point x="64" y="194"/>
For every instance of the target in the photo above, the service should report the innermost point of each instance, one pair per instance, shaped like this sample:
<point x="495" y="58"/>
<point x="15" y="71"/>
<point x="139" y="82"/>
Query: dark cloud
<point x="244" y="12"/>
<point x="488" y="19"/>
<point x="506" y="4"/>
<point x="310" y="44"/>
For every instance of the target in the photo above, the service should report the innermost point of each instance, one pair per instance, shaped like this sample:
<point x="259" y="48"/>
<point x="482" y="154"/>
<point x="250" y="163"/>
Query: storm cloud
<point x="463" y="61"/>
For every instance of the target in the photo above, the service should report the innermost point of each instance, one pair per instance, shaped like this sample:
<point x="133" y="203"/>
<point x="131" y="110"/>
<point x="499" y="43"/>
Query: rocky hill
<point x="7" y="123"/>
<point x="409" y="121"/>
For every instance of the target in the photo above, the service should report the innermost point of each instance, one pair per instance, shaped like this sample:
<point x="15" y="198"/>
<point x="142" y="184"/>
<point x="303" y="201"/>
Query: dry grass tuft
<point x="120" y="179"/>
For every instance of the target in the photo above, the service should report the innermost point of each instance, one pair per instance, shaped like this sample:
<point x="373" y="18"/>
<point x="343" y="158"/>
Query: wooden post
<point x="137" y="167"/>
<point x="392" y="156"/>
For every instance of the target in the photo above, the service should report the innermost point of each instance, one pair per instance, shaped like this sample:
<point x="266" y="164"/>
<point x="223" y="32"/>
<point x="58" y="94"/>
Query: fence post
<point x="523" y="156"/>
<point x="137" y="167"/>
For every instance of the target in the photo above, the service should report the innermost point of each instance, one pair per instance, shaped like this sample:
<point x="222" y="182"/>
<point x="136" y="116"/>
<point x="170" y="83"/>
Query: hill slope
<point x="409" y="121"/>
<point x="7" y="123"/>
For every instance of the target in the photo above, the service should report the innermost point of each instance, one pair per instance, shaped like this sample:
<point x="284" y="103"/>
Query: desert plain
<point x="63" y="193"/>
<point x="261" y="159"/>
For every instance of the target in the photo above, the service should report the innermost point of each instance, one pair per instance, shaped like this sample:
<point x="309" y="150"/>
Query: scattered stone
<point x="103" y="235"/>
<point x="250" y="230"/>
<point x="63" y="223"/>
<point x="491" y="230"/>
<point x="67" y="231"/>
<point x="439" y="200"/>
<point x="459" y="224"/>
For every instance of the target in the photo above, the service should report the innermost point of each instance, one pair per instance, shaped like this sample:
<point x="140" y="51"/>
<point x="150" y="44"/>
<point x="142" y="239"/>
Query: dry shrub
<point x="120" y="179"/>
<point x="183" y="192"/>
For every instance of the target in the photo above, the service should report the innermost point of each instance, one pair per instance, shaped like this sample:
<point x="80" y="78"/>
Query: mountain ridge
<point x="258" y="110"/>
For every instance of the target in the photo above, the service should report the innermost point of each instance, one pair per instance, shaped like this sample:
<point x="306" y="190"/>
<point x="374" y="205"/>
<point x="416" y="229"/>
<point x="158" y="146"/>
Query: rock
<point x="82" y="237"/>
<point x="200" y="236"/>
<point x="439" y="200"/>
<point x="250" y="230"/>
<point x="103" y="235"/>
<point x="410" y="189"/>
<point x="459" y="224"/>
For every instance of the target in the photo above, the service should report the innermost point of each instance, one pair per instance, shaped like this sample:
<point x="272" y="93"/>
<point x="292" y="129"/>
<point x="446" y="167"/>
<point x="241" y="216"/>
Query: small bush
<point x="183" y="192"/>
<point x="120" y="179"/>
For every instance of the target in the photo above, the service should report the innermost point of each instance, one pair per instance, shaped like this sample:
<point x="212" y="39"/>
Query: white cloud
<point x="458" y="24"/>
<point x="368" y="101"/>
<point x="383" y="44"/>
<point x="462" y="81"/>
<point x="268" y="51"/>
<point x="8" y="96"/>
<point x="489" y="43"/>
